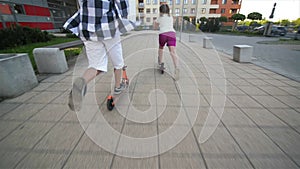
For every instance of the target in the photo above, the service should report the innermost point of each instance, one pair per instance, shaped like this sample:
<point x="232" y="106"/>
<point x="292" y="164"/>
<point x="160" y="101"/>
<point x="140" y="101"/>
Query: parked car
<point x="242" y="28"/>
<point x="278" y="30"/>
<point x="259" y="29"/>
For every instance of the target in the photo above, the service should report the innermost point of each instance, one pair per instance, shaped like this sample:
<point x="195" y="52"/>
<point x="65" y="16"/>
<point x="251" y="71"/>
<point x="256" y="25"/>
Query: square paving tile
<point x="178" y="161"/>
<point x="262" y="161"/>
<point x="6" y="127"/>
<point x="291" y="90"/>
<point x="59" y="87"/>
<point x="30" y="133"/>
<point x="228" y="162"/>
<point x="6" y="107"/>
<point x="274" y="90"/>
<point x="23" y="112"/>
<point x="244" y="101"/>
<point x="22" y="98"/>
<point x="264" y="118"/>
<point x="269" y="102"/>
<point x="292" y="101"/>
<point x="220" y="142"/>
<point x="289" y="116"/>
<point x="254" y="141"/>
<point x="139" y="163"/>
<point x="287" y="139"/>
<point x="10" y="158"/>
<point x="250" y="90"/>
<point x="235" y="117"/>
<point x="50" y="113"/>
<point x="44" y="97"/>
<point x="57" y="139"/>
<point x="42" y="87"/>
<point x="78" y="161"/>
<point x="42" y="160"/>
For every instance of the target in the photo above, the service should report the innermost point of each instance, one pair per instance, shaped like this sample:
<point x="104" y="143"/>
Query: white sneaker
<point x="119" y="89"/>
<point x="77" y="93"/>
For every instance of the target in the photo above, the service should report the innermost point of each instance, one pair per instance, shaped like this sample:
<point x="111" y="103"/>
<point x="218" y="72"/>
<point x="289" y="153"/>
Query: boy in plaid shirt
<point x="99" y="24"/>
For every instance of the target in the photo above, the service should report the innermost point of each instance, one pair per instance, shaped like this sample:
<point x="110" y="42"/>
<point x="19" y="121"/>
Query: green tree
<point x="237" y="17"/>
<point x="254" y="16"/>
<point x="285" y="22"/>
<point x="296" y="22"/>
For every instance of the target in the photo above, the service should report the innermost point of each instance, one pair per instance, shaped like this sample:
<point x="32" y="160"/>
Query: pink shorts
<point x="168" y="38"/>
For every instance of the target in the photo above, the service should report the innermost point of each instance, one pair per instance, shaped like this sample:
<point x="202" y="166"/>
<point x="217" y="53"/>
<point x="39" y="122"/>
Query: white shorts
<point x="97" y="53"/>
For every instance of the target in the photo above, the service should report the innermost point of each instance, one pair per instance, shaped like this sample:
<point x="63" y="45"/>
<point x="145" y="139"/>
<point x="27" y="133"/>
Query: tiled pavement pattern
<point x="260" y="126"/>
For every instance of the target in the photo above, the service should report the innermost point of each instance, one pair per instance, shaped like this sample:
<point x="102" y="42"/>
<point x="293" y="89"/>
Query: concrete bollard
<point x="242" y="53"/>
<point x="17" y="75"/>
<point x="207" y="42"/>
<point x="50" y="60"/>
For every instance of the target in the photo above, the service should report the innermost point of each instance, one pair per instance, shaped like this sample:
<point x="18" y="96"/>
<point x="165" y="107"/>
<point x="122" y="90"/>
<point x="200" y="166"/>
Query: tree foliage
<point x="238" y="17"/>
<point x="254" y="16"/>
<point x="223" y="19"/>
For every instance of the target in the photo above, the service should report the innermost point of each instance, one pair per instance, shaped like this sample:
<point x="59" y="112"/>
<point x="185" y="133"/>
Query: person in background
<point x="167" y="35"/>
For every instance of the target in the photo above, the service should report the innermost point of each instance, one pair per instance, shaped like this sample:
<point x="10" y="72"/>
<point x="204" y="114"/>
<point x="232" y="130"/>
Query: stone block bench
<point x="242" y="53"/>
<point x="51" y="59"/>
<point x="17" y="75"/>
<point x="207" y="42"/>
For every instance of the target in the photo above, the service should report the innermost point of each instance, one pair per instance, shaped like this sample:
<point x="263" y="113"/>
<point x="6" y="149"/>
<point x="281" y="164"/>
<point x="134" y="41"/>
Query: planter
<point x="17" y="75"/>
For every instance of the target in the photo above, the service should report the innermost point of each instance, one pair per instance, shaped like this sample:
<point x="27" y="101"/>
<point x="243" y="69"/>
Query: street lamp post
<point x="268" y="29"/>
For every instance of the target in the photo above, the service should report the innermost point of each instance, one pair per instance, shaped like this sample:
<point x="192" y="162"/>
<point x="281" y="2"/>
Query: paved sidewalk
<point x="260" y="126"/>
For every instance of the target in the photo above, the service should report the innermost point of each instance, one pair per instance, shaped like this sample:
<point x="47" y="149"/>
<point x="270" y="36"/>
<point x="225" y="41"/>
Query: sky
<point x="285" y="9"/>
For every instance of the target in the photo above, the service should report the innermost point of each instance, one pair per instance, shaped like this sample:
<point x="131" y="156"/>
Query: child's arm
<point x="155" y="24"/>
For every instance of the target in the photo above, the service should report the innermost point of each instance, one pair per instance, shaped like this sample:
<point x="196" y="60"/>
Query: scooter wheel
<point x="110" y="104"/>
<point x="162" y="71"/>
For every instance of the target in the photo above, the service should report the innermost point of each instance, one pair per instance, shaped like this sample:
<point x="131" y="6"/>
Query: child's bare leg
<point x="174" y="56"/>
<point x="117" y="77"/>
<point x="160" y="55"/>
<point x="90" y="74"/>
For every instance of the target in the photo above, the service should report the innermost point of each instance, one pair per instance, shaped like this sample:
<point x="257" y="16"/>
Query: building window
<point x="185" y="10"/>
<point x="148" y="19"/>
<point x="154" y="10"/>
<point x="18" y="9"/>
<point x="5" y="9"/>
<point x="203" y="10"/>
<point x="204" y="1"/>
<point x="233" y="11"/>
<point x="224" y="1"/>
<point x="148" y="2"/>
<point x="177" y="2"/>
<point x="148" y="10"/>
<point x="185" y="1"/>
<point x="177" y="11"/>
<point x="213" y="11"/>
<point x="193" y="2"/>
<point x="154" y="2"/>
<point x="171" y="2"/>
<point x="223" y="10"/>
<point x="193" y="10"/>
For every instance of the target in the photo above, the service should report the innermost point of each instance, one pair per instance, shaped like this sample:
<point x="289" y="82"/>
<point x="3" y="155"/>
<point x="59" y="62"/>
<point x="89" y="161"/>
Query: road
<point x="282" y="59"/>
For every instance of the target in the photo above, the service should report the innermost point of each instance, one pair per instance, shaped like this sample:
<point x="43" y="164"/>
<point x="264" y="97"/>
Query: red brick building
<point x="227" y="8"/>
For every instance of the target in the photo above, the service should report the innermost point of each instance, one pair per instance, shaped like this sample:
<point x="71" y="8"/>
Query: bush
<point x="18" y="36"/>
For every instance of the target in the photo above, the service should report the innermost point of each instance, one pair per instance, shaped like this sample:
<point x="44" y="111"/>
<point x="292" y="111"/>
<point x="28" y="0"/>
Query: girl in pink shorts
<point x="167" y="35"/>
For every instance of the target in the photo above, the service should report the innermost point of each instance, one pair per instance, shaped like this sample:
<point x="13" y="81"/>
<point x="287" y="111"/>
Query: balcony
<point x="141" y="15"/>
<point x="214" y="2"/>
<point x="141" y="5"/>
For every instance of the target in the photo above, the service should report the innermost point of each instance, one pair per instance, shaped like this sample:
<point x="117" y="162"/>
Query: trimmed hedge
<point x="18" y="36"/>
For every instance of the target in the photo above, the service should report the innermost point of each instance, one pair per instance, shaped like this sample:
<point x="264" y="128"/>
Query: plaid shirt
<point x="98" y="20"/>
